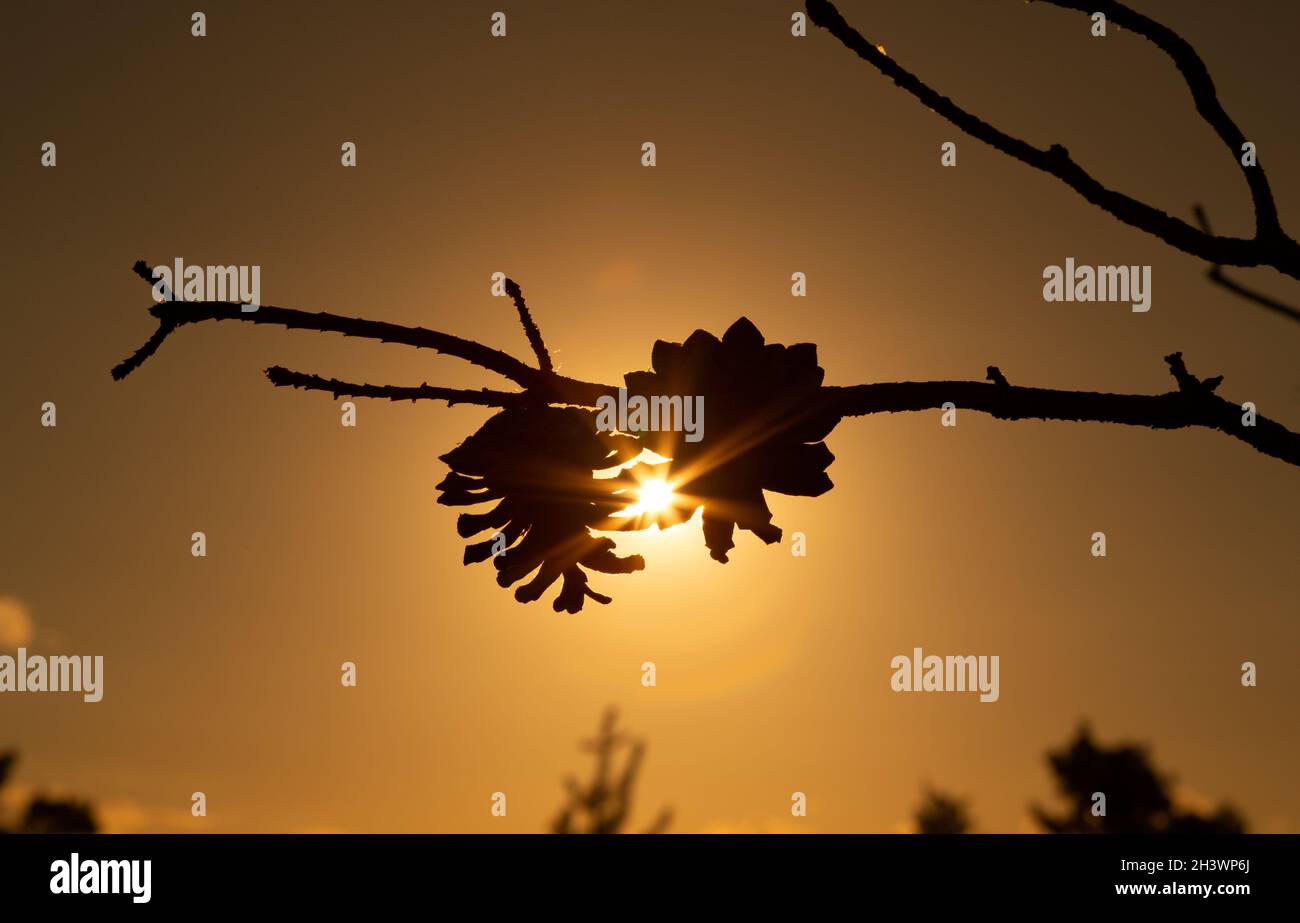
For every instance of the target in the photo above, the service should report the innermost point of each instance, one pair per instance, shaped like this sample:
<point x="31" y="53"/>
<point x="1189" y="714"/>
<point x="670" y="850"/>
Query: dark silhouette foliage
<point x="45" y="814"/>
<point x="942" y="813"/>
<point x="52" y="815"/>
<point x="603" y="804"/>
<point x="1138" y="796"/>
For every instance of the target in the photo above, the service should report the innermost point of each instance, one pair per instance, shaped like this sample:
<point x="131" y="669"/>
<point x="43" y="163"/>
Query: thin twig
<point x="1271" y="246"/>
<point x="530" y="328"/>
<point x="282" y="377"/>
<point x="147" y="349"/>
<point x="150" y="346"/>
<point x="1215" y="274"/>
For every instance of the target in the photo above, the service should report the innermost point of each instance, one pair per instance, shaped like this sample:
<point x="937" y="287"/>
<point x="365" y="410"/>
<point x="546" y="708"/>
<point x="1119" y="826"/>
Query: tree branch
<point x="1215" y="274"/>
<point x="1193" y="404"/>
<point x="530" y="328"/>
<point x="282" y="377"/>
<point x="174" y="314"/>
<point x="147" y="349"/>
<point x="1271" y="246"/>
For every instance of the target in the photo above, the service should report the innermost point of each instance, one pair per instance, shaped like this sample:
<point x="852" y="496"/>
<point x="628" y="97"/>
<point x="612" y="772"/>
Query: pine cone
<point x="763" y="428"/>
<point x="538" y="462"/>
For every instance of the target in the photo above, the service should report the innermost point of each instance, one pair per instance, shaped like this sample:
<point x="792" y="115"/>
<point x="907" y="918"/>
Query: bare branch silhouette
<point x="1193" y="404"/>
<point x="174" y="314"/>
<point x="282" y="377"/>
<point x="1215" y="274"/>
<point x="604" y="804"/>
<point x="530" y="328"/>
<point x="1271" y="246"/>
<point x="769" y="417"/>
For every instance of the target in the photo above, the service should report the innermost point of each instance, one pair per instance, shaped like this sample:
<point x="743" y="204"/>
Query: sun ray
<point x="654" y="496"/>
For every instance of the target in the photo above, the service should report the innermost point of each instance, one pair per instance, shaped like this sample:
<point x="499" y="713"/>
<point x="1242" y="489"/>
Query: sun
<point x="654" y="496"/>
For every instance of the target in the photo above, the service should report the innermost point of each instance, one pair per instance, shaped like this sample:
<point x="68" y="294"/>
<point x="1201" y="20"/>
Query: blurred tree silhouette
<point x="1138" y="797"/>
<point x="940" y="812"/>
<point x="604" y="804"/>
<point x="47" y="815"/>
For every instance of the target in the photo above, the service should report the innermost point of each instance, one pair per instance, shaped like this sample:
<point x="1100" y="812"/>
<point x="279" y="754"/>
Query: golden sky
<point x="522" y="155"/>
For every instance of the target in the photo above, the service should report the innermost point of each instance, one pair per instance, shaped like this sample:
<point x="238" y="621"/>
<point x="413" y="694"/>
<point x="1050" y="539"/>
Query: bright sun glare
<point x="655" y="496"/>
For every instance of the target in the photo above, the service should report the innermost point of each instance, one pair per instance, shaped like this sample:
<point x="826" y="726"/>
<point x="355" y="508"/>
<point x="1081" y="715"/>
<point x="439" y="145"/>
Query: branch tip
<point x="530" y="327"/>
<point x="1186" y="380"/>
